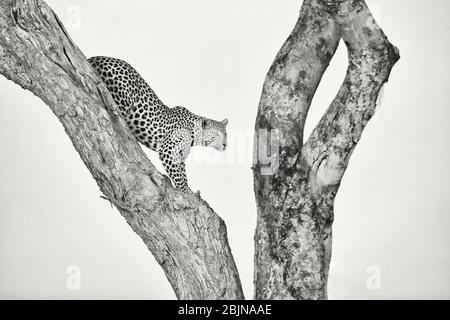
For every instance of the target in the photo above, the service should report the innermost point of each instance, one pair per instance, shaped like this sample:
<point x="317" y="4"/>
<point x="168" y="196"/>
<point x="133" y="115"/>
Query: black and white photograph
<point x="240" y="150"/>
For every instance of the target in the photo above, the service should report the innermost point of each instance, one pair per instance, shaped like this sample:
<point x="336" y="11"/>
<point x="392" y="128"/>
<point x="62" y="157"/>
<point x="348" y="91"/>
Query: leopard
<point x="170" y="131"/>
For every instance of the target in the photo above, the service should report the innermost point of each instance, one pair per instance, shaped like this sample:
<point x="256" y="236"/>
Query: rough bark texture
<point x="295" y="203"/>
<point x="184" y="234"/>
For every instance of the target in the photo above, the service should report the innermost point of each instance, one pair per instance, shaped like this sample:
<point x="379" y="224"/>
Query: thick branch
<point x="184" y="234"/>
<point x="295" y="202"/>
<point x="371" y="58"/>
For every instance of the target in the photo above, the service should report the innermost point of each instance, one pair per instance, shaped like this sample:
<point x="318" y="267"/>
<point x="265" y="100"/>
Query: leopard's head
<point x="215" y="133"/>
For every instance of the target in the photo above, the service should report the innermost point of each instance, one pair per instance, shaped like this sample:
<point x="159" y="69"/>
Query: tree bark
<point x="295" y="196"/>
<point x="186" y="237"/>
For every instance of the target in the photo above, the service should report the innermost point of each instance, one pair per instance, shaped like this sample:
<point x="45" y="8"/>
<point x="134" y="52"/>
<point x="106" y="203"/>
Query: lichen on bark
<point x="295" y="204"/>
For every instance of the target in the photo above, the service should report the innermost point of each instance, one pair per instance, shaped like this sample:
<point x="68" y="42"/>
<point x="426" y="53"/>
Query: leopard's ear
<point x="204" y="124"/>
<point x="224" y="122"/>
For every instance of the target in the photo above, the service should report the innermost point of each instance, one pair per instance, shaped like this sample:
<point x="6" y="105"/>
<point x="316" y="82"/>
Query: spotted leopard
<point x="169" y="131"/>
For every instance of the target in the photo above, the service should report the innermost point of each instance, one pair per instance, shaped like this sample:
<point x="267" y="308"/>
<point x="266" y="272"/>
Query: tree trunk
<point x="184" y="234"/>
<point x="296" y="186"/>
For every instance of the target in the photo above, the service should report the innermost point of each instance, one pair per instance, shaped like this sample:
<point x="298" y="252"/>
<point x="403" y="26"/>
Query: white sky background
<point x="211" y="56"/>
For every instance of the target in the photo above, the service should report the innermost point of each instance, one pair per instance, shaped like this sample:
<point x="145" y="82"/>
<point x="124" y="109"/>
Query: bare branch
<point x="184" y="234"/>
<point x="371" y="58"/>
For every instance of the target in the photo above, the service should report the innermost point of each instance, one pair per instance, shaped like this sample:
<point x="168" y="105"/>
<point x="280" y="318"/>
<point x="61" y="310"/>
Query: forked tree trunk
<point x="296" y="186"/>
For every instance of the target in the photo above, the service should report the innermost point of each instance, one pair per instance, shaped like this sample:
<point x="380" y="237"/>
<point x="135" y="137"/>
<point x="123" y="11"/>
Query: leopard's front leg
<point x="173" y="153"/>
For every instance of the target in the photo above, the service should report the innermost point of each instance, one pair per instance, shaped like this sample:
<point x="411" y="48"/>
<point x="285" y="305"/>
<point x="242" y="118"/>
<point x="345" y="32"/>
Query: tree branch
<point x="184" y="234"/>
<point x="295" y="202"/>
<point x="371" y="58"/>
